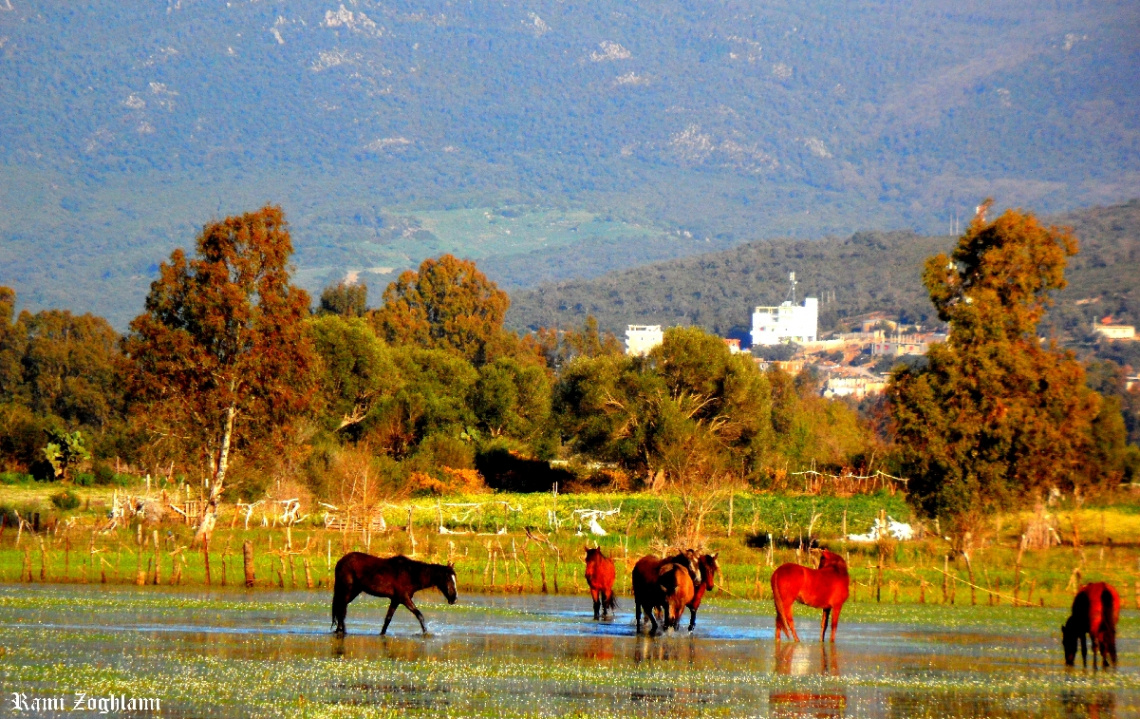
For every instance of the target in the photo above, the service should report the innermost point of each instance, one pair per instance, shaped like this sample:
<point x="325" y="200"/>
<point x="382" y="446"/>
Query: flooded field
<point x="272" y="654"/>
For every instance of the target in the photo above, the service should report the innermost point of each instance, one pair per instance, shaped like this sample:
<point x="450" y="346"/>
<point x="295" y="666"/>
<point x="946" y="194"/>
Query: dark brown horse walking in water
<point x="825" y="588"/>
<point x="600" y="575"/>
<point x="396" y="578"/>
<point x="648" y="595"/>
<point x="708" y="568"/>
<point x="1096" y="611"/>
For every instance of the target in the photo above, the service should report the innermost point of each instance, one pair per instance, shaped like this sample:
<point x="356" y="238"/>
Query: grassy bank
<point x="534" y="543"/>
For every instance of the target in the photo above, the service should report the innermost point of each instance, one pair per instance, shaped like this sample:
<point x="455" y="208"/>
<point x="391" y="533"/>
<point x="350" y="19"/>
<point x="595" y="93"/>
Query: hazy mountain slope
<point x="126" y="126"/>
<point x="869" y="271"/>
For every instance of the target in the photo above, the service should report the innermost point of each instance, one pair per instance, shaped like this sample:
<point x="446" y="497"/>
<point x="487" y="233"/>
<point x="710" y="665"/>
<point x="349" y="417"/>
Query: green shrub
<point x="9" y="515"/>
<point x="83" y="479"/>
<point x="65" y="501"/>
<point x="105" y="476"/>
<point x="15" y="478"/>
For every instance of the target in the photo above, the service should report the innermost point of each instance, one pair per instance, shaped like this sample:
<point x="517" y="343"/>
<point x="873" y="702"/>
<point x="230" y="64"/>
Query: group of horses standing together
<point x="665" y="587"/>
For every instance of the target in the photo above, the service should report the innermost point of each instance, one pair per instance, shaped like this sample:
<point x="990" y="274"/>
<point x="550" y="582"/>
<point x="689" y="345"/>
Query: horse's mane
<point x="415" y="565"/>
<point x="828" y="558"/>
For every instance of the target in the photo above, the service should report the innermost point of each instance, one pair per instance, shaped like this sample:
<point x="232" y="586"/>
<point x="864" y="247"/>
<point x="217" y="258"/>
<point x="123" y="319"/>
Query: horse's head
<point x="709" y="567"/>
<point x="828" y="558"/>
<point x="1069" y="638"/>
<point x="692" y="561"/>
<point x="594" y="555"/>
<point x="445" y="582"/>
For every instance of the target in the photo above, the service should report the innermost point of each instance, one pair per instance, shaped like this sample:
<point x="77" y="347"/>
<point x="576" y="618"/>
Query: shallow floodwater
<point x="272" y="654"/>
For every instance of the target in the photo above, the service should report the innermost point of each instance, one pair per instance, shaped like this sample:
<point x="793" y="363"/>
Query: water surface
<point x="272" y="654"/>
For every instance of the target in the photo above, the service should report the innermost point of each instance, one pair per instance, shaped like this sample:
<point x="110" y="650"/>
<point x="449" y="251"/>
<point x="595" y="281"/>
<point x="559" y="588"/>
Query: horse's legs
<point x="692" y="618"/>
<point x="823" y="625"/>
<point x="637" y="614"/>
<point x="1084" y="653"/>
<point x="597" y="602"/>
<point x="835" y="620"/>
<point x="1095" y="647"/>
<point x="790" y="622"/>
<point x="650" y="612"/>
<point x="340" y="610"/>
<point x="388" y="616"/>
<point x="419" y="615"/>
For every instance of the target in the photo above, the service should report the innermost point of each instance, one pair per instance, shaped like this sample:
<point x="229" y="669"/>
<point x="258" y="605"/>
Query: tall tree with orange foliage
<point x="221" y="355"/>
<point x="997" y="414"/>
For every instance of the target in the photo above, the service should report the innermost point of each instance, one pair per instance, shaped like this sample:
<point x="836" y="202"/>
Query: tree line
<point x="231" y="380"/>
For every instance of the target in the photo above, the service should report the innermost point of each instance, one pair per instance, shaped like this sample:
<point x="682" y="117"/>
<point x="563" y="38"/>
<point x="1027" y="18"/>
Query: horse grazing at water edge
<point x="600" y="575"/>
<point x="1096" y="612"/>
<point x="396" y="578"/>
<point x="648" y="593"/>
<point x="824" y="588"/>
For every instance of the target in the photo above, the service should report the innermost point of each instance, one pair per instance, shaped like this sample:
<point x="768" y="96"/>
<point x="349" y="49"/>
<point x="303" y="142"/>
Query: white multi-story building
<point x="786" y="323"/>
<point x="640" y="339"/>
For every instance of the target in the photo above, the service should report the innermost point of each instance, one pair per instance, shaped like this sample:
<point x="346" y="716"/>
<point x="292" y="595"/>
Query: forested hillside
<point x="547" y="141"/>
<point x="865" y="272"/>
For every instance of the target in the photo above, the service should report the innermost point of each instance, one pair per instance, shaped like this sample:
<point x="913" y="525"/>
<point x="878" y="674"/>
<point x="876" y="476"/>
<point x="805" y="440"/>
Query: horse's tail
<point x="611" y="600"/>
<point x="1108" y="623"/>
<point x="781" y="621"/>
<point x="342" y="587"/>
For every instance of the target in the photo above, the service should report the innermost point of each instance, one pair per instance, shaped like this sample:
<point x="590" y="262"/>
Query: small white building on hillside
<point x="1115" y="332"/>
<point x="640" y="339"/>
<point x="786" y="323"/>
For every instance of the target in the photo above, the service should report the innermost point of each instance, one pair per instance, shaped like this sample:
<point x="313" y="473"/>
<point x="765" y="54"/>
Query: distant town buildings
<point x="733" y="345"/>
<point x="786" y="323"/>
<point x="899" y="345"/>
<point x="853" y="382"/>
<point x="640" y="339"/>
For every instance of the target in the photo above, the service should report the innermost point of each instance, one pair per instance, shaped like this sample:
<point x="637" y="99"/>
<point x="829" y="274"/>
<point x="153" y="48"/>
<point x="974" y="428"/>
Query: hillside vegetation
<point x="852" y="276"/>
<point x="610" y="134"/>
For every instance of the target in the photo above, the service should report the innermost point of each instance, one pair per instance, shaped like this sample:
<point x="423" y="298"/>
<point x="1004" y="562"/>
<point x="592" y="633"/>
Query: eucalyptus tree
<point x="221" y="357"/>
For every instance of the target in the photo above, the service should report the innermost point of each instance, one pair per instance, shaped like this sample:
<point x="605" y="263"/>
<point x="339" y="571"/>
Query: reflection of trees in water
<point x="1069" y="704"/>
<point x="796" y="659"/>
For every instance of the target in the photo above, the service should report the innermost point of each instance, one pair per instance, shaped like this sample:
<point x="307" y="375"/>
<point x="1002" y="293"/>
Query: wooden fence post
<point x="247" y="558"/>
<point x="157" y="568"/>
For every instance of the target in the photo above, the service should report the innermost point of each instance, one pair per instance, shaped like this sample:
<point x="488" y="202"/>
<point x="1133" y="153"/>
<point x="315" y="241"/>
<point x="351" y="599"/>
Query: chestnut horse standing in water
<point x="825" y="588"/>
<point x="1096" y="611"/>
<point x="648" y="594"/>
<point x="396" y="578"/>
<point x="677" y="587"/>
<point x="600" y="575"/>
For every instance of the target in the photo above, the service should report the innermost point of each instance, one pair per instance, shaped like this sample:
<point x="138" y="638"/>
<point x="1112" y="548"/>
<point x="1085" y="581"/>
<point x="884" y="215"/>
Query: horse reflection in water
<point x="373" y="647"/>
<point x="598" y="648"/>
<point x="798" y="660"/>
<point x="680" y="649"/>
<point x="1088" y="705"/>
